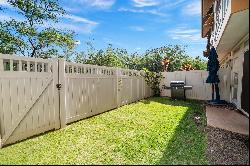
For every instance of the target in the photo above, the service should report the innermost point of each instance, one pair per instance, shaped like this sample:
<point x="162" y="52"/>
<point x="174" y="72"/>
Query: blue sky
<point x="135" y="25"/>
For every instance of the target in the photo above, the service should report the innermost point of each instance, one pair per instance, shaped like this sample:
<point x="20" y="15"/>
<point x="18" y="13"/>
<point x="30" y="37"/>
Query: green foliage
<point x="177" y="56"/>
<point x="195" y="63"/>
<point x="33" y="36"/>
<point x="153" y="79"/>
<point x="151" y="59"/>
<point x="110" y="57"/>
<point x="134" y="61"/>
<point x="156" y="131"/>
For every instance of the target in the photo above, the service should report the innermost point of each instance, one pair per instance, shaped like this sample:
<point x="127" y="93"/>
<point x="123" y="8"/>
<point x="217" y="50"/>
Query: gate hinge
<point x="58" y="86"/>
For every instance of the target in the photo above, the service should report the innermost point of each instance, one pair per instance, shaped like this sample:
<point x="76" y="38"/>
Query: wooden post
<point x="62" y="94"/>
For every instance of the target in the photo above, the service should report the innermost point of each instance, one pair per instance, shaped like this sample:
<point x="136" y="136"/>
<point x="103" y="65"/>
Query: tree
<point x="81" y="57"/>
<point x="111" y="57"/>
<point x="33" y="36"/>
<point x="174" y="54"/>
<point x="134" y="61"/>
<point x="169" y="57"/>
<point x="199" y="64"/>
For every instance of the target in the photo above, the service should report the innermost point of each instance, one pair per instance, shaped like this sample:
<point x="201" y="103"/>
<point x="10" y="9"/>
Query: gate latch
<point x="58" y="86"/>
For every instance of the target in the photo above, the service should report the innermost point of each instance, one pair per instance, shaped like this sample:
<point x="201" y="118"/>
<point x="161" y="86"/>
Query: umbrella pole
<point x="217" y="91"/>
<point x="212" y="92"/>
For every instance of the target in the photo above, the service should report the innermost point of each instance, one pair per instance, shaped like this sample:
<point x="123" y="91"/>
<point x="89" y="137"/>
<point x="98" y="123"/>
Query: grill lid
<point x="177" y="83"/>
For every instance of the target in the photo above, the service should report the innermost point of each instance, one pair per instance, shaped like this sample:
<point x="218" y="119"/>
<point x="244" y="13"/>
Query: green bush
<point x="153" y="79"/>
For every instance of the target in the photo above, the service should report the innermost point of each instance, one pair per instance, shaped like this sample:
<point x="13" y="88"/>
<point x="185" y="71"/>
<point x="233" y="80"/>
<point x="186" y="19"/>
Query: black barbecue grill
<point x="178" y="89"/>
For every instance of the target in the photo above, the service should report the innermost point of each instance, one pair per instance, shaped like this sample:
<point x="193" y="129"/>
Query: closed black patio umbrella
<point x="213" y="78"/>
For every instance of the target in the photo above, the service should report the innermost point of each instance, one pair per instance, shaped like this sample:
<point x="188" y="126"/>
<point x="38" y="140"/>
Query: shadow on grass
<point x="188" y="143"/>
<point x="173" y="102"/>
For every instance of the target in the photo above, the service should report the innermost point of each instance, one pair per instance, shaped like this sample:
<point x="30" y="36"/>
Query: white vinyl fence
<point x="29" y="103"/>
<point x="37" y="95"/>
<point x="197" y="79"/>
<point x="91" y="90"/>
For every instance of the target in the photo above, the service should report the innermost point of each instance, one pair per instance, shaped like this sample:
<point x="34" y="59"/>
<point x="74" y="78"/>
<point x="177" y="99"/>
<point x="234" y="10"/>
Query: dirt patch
<point x="227" y="148"/>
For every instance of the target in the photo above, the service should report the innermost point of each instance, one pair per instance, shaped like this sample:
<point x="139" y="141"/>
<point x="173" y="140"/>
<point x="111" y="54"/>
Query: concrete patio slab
<point x="224" y="118"/>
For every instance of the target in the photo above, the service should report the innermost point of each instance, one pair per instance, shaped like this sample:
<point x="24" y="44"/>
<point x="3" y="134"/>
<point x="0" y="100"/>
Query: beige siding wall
<point x="225" y="83"/>
<point x="236" y="64"/>
<point x="233" y="63"/>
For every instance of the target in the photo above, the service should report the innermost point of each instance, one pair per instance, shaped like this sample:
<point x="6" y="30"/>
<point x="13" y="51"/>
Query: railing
<point x="221" y="15"/>
<point x="208" y="21"/>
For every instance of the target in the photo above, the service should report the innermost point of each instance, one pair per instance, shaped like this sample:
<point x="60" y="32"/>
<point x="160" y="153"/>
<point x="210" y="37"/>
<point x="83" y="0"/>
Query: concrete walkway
<point x="227" y="119"/>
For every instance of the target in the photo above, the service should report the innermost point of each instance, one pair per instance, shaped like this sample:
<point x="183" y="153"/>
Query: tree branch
<point x="34" y="48"/>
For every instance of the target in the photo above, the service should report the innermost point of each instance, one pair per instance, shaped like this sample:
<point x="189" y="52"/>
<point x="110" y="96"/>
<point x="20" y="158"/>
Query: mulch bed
<point x="227" y="148"/>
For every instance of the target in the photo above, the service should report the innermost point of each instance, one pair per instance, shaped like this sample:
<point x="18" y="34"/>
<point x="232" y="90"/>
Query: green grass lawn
<point x="152" y="131"/>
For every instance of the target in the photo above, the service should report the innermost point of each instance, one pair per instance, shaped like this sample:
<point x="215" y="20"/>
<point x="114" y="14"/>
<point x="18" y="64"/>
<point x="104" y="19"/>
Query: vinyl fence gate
<point x="29" y="101"/>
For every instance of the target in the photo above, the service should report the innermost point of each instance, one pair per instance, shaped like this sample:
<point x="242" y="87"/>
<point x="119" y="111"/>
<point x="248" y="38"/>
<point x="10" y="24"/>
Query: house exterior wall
<point x="236" y="63"/>
<point x="231" y="40"/>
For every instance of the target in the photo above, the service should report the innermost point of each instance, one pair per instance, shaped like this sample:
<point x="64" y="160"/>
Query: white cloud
<point x="82" y="25"/>
<point x="185" y="34"/>
<point x="103" y="4"/>
<point x="145" y="3"/>
<point x="4" y="3"/>
<point x="154" y="12"/>
<point x="78" y="24"/>
<point x="81" y="29"/>
<point x="171" y="3"/>
<point x="137" y="28"/>
<point x="194" y="8"/>
<point x="75" y="18"/>
<point x="158" y="3"/>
